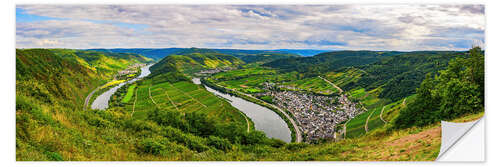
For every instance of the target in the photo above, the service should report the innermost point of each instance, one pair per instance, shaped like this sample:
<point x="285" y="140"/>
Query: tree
<point x="456" y="91"/>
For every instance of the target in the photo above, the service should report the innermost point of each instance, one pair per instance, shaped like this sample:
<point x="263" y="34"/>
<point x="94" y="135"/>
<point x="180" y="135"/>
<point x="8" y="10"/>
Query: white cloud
<point x="374" y="27"/>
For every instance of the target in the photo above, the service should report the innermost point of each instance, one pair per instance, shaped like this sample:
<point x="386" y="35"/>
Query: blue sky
<point x="332" y="27"/>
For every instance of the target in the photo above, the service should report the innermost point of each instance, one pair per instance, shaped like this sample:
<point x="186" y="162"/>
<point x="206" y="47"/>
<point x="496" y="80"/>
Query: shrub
<point x="151" y="146"/>
<point x="219" y="143"/>
<point x="296" y="146"/>
<point x="53" y="156"/>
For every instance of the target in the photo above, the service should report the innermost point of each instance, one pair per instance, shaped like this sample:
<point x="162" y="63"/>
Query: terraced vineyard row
<point x="372" y="119"/>
<point x="183" y="97"/>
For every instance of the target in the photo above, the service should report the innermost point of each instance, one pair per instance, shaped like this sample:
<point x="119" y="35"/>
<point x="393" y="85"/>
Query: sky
<point x="327" y="27"/>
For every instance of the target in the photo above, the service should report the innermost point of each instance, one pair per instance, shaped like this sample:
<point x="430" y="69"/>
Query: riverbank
<point x="292" y="126"/>
<point x="101" y="102"/>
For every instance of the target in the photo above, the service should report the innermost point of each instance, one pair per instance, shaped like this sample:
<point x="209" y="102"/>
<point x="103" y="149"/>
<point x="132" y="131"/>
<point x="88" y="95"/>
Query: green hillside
<point x="329" y="61"/>
<point x="167" y="117"/>
<point x="264" y="57"/>
<point x="104" y="63"/>
<point x="194" y="59"/>
<point x="51" y="86"/>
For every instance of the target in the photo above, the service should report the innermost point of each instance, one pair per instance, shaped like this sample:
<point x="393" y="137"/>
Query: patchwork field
<point x="183" y="97"/>
<point x="372" y="119"/>
<point x="346" y="77"/>
<point x="314" y="84"/>
<point x="249" y="80"/>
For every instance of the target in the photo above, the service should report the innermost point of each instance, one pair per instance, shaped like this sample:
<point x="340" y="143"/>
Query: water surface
<point x="101" y="102"/>
<point x="264" y="119"/>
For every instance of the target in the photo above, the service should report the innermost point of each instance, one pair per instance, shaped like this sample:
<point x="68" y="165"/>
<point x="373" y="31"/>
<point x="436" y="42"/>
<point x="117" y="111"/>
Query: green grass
<point x="50" y="123"/>
<point x="345" y="77"/>
<point x="130" y="93"/>
<point x="356" y="127"/>
<point x="184" y="97"/>
<point x="249" y="80"/>
<point x="314" y="84"/>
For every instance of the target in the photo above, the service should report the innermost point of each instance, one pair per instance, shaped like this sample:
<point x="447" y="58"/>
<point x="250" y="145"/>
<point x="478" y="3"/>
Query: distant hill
<point x="303" y="52"/>
<point x="159" y="53"/>
<point x="104" y="63"/>
<point x="396" y="74"/>
<point x="195" y="59"/>
<point x="155" y="54"/>
<point x="312" y="66"/>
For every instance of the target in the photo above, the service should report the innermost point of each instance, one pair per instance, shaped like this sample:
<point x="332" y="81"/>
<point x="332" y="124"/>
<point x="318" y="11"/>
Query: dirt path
<point x="340" y="89"/>
<point x="169" y="99"/>
<point x="345" y="128"/>
<point x="188" y="95"/>
<point x="244" y="116"/>
<point x="382" y="112"/>
<point x="88" y="98"/>
<point x="135" y="101"/>
<point x="149" y="89"/>
<point x="248" y="122"/>
<point x="368" y="120"/>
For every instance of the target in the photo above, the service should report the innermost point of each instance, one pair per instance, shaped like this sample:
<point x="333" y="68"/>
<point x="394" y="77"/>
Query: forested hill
<point x="260" y="56"/>
<point x="328" y="61"/>
<point x="399" y="75"/>
<point x="160" y="53"/>
<point x="156" y="54"/>
<point x="248" y="56"/>
<point x="303" y="52"/>
<point x="51" y="86"/>
<point x="193" y="60"/>
<point x="103" y="63"/>
<point x="456" y="92"/>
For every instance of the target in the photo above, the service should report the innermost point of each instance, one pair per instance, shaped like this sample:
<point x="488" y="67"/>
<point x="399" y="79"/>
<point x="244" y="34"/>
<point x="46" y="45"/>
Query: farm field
<point x="346" y="77"/>
<point x="130" y="93"/>
<point x="182" y="97"/>
<point x="249" y="80"/>
<point x="314" y="84"/>
<point x="356" y="127"/>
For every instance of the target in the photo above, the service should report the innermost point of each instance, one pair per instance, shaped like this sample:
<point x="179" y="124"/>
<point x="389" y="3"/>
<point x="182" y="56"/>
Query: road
<point x="340" y="89"/>
<point x="88" y="98"/>
<point x="368" y="120"/>
<point x="382" y="112"/>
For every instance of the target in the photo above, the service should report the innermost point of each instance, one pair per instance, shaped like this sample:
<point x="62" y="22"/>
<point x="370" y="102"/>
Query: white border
<point x="7" y="60"/>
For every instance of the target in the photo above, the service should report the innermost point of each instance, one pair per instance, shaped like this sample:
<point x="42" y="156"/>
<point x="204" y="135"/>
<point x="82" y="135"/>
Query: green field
<point x="183" y="97"/>
<point x="356" y="126"/>
<point x="130" y="93"/>
<point x="346" y="77"/>
<point x="249" y="80"/>
<point x="314" y="84"/>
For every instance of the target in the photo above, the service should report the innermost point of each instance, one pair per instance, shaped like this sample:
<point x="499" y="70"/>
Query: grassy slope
<point x="314" y="84"/>
<point x="49" y="126"/>
<point x="192" y="62"/>
<point x="129" y="94"/>
<point x="420" y="144"/>
<point x="103" y="63"/>
<point x="50" y="92"/>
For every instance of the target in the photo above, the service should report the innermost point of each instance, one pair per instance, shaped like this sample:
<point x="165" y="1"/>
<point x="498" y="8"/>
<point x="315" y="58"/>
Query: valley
<point x="216" y="104"/>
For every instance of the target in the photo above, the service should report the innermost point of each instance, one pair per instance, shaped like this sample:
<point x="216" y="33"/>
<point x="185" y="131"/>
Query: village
<point x="317" y="115"/>
<point x="213" y="71"/>
<point x="130" y="72"/>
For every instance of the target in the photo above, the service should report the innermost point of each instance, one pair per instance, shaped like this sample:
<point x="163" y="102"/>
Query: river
<point x="264" y="119"/>
<point x="101" y="102"/>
